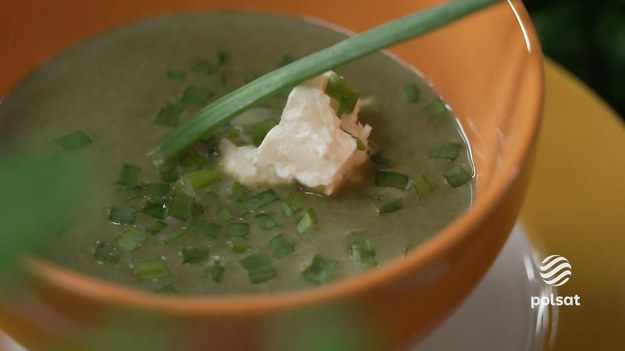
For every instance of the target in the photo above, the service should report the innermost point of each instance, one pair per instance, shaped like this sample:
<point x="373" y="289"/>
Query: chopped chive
<point x="381" y="160"/>
<point x="202" y="178"/>
<point x="306" y="222"/>
<point x="320" y="270"/>
<point x="390" y="206"/>
<point x="169" y="115"/>
<point x="192" y="161"/>
<point x="204" y="67"/>
<point x="422" y="186"/>
<point x="223" y="58"/>
<point x="214" y="273"/>
<point x="338" y="89"/>
<point x="122" y="215"/>
<point x="391" y="179"/>
<point x="177" y="76"/>
<point x="150" y="268"/>
<point x="239" y="190"/>
<point x="261" y="199"/>
<point x="359" y="144"/>
<point x="156" y="209"/>
<point x="196" y="96"/>
<point x="266" y="221"/>
<point x="448" y="150"/>
<point x="238" y="229"/>
<point x="194" y="254"/>
<point x="167" y="289"/>
<point x="132" y="192"/>
<point x="168" y="172"/>
<point x="239" y="246"/>
<point x="130" y="240"/>
<point x="261" y="129"/>
<point x="180" y="205"/>
<point x="281" y="245"/>
<point x="106" y="252"/>
<point x="74" y="141"/>
<point x="457" y="176"/>
<point x="225" y="214"/>
<point x="363" y="252"/>
<point x="129" y="175"/>
<point x="201" y="226"/>
<point x="156" y="227"/>
<point x="436" y="108"/>
<point x="157" y="190"/>
<point x="172" y="239"/>
<point x="258" y="267"/>
<point x="411" y="92"/>
<point x="197" y="210"/>
<point x="289" y="209"/>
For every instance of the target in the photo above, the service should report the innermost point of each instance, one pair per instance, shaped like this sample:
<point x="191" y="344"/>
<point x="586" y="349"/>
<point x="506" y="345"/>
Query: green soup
<point x="124" y="90"/>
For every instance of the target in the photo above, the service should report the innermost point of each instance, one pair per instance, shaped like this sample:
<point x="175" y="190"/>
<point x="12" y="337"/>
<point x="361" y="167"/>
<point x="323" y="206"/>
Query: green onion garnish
<point x="172" y="239"/>
<point x="129" y="175"/>
<point x="194" y="254"/>
<point x="130" y="240"/>
<point x="238" y="229"/>
<point x="150" y="268"/>
<point x="214" y="273"/>
<point x="391" y="179"/>
<point x="262" y="199"/>
<point x="239" y="190"/>
<point x="359" y="144"/>
<point x="266" y="221"/>
<point x="156" y="209"/>
<point x="242" y="99"/>
<point x="225" y="214"/>
<point x="177" y="76"/>
<point x="106" y="252"/>
<point x="390" y="206"/>
<point x="281" y="245"/>
<point x="306" y="222"/>
<point x="223" y="58"/>
<point x="422" y="186"/>
<point x="202" y="178"/>
<point x="195" y="95"/>
<point x="289" y="208"/>
<point x="169" y="115"/>
<point x="436" y="108"/>
<point x="201" y="226"/>
<point x="180" y="205"/>
<point x="363" y="252"/>
<point x="168" y="172"/>
<point x="204" y="67"/>
<point x="261" y="129"/>
<point x="258" y="267"/>
<point x="411" y="92"/>
<point x="74" y="141"/>
<point x="156" y="227"/>
<point x="381" y="160"/>
<point x="167" y="289"/>
<point x="192" y="161"/>
<point x="457" y="176"/>
<point x="447" y="150"/>
<point x="157" y="190"/>
<point x="320" y="270"/>
<point x="122" y="215"/>
<point x="239" y="246"/>
<point x="338" y="89"/>
<point x="132" y="192"/>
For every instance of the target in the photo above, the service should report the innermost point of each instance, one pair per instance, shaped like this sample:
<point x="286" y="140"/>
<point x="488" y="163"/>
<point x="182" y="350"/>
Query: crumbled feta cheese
<point x="310" y="144"/>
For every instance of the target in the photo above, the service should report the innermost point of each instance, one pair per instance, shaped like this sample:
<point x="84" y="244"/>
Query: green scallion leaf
<point x="447" y="150"/>
<point x="239" y="190"/>
<point x="363" y="252"/>
<point x="214" y="273"/>
<point x="122" y="215"/>
<point x="289" y="209"/>
<point x="169" y="115"/>
<point x="239" y="246"/>
<point x="195" y="96"/>
<point x="261" y="199"/>
<point x="202" y="178"/>
<point x="180" y="206"/>
<point x="457" y="176"/>
<point x="172" y="239"/>
<point x="204" y="67"/>
<point x="132" y="192"/>
<point x="411" y="92"/>
<point x="129" y="175"/>
<point x="338" y="89"/>
<point x="266" y="221"/>
<point x="258" y="267"/>
<point x="130" y="240"/>
<point x="167" y="289"/>
<point x="150" y="268"/>
<point x="156" y="209"/>
<point x="106" y="252"/>
<point x="192" y="161"/>
<point x="223" y="58"/>
<point x="261" y="129"/>
<point x="320" y="270"/>
<point x="168" y="172"/>
<point x="238" y="229"/>
<point x="306" y="222"/>
<point x="194" y="254"/>
<point x="381" y="160"/>
<point x="391" y="179"/>
<point x="177" y="76"/>
<point x="157" y="190"/>
<point x="207" y="228"/>
<point x="436" y="108"/>
<point x="390" y="206"/>
<point x="74" y="141"/>
<point x="156" y="227"/>
<point x="422" y="186"/>
<point x="225" y="214"/>
<point x="281" y="245"/>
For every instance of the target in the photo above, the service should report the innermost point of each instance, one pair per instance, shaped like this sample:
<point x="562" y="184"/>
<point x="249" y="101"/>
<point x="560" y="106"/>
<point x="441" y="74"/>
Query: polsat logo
<point x="555" y="270"/>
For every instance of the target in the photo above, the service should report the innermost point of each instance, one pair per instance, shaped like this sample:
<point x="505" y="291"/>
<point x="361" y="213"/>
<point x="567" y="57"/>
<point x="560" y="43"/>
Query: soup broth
<point x="126" y="88"/>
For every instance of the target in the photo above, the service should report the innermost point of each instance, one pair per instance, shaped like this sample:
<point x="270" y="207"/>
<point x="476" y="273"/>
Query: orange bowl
<point x="487" y="66"/>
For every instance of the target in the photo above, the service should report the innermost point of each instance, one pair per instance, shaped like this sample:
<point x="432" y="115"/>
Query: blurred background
<point x="587" y="37"/>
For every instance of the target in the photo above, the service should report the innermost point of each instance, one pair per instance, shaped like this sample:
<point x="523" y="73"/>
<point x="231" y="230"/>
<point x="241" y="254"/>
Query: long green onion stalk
<point x="387" y="34"/>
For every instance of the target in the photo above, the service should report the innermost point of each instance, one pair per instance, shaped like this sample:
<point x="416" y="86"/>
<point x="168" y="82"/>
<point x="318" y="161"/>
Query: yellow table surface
<point x="575" y="207"/>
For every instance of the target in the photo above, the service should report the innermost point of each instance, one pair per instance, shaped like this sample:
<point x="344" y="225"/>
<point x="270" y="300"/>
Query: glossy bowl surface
<point x="487" y="67"/>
